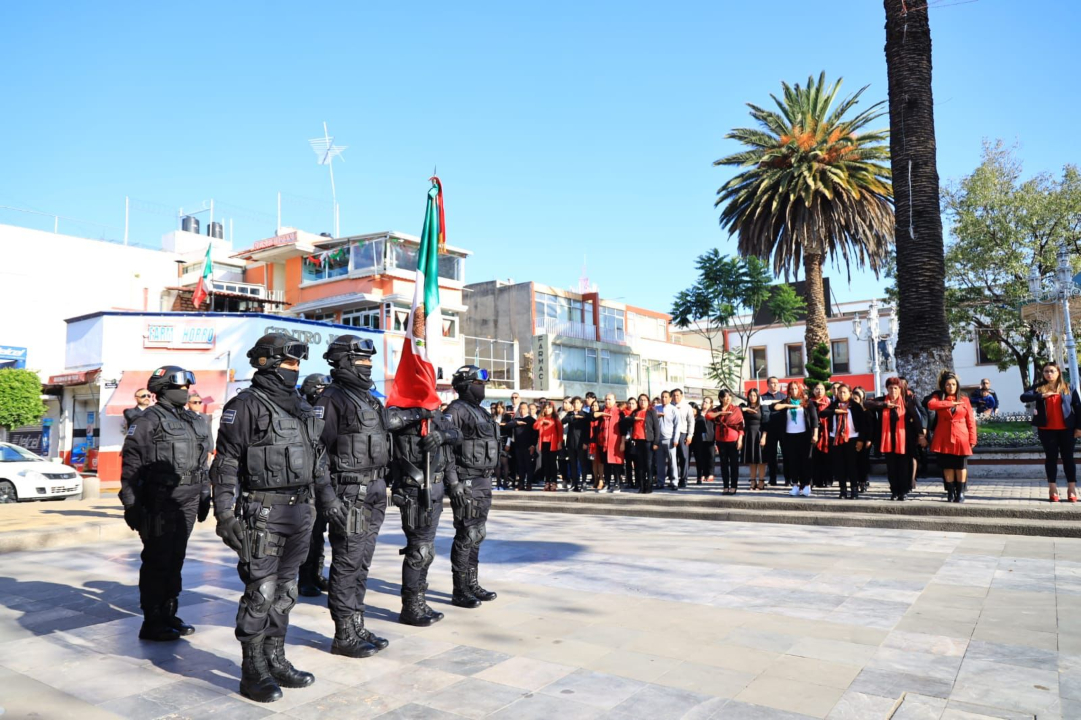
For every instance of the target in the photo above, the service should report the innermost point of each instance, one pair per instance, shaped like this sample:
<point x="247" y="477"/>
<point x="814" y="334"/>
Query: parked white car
<point x="26" y="476"/>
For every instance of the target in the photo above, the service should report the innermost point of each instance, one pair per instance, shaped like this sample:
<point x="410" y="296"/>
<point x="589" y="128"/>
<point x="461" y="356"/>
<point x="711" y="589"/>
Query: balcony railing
<point x="565" y="328"/>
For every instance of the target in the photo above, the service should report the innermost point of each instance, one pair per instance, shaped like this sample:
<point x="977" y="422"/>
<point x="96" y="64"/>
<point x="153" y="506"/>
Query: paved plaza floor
<point x="597" y="617"/>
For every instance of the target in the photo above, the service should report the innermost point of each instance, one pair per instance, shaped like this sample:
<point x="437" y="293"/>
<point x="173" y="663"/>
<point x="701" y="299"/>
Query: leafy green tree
<point x="812" y="183"/>
<point x="727" y="295"/>
<point x="1000" y="228"/>
<point x="20" y="398"/>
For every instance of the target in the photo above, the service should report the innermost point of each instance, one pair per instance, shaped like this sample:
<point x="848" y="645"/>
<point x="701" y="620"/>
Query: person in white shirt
<point x="799" y="425"/>
<point x="686" y="426"/>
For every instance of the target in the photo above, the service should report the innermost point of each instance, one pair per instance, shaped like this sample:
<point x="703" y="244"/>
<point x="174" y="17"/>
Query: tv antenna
<point x="326" y="151"/>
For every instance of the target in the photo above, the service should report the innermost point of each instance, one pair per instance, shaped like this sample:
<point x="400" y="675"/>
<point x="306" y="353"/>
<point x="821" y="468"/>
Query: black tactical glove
<point x="133" y="516"/>
<point x="432" y="440"/>
<point x="204" y="508"/>
<point x="337" y="516"/>
<point x="231" y="532"/>
<point x="426" y="414"/>
<point x="457" y="494"/>
<point x="398" y="497"/>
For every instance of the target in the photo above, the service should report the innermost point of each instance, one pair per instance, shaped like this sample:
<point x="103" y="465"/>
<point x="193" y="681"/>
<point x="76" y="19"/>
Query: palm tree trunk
<point x="817" y="332"/>
<point x="923" y="343"/>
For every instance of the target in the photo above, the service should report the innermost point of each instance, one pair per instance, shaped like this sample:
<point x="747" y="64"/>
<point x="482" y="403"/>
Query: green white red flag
<point x="414" y="380"/>
<point x="203" y="288"/>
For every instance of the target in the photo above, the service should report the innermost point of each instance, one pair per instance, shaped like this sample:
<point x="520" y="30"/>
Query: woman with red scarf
<point x="550" y="439"/>
<point x="900" y="432"/>
<point x="955" y="433"/>
<point x="728" y="420"/>
<point x="610" y="442"/>
<point x="848" y="428"/>
<point x="594" y="446"/>
<point x="821" y="475"/>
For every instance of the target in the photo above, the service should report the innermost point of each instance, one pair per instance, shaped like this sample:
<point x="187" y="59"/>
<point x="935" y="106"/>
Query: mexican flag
<point x="203" y="288"/>
<point x="414" y="381"/>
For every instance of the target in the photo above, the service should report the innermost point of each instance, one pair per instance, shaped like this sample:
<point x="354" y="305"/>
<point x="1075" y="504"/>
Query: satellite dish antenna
<point x="326" y="151"/>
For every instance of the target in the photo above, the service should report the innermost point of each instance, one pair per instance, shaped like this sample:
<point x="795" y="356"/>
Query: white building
<point x="109" y="355"/>
<point x="779" y="350"/>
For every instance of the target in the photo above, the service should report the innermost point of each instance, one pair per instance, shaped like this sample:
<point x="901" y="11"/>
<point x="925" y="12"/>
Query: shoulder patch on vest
<point x="318" y="410"/>
<point x="228" y="417"/>
<point x="131" y="430"/>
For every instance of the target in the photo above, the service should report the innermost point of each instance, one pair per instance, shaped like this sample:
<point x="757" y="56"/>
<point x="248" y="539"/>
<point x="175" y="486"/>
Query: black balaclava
<point x="352" y="375"/>
<point x="174" y="396"/>
<point x="289" y="377"/>
<point x="474" y="393"/>
<point x="276" y="385"/>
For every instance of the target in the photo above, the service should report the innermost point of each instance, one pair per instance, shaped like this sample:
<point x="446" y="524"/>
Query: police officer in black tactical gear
<point x="269" y="463"/>
<point x="419" y="497"/>
<point x="164" y="487"/>
<point x="356" y="434"/>
<point x="312" y="582"/>
<point x="471" y="497"/>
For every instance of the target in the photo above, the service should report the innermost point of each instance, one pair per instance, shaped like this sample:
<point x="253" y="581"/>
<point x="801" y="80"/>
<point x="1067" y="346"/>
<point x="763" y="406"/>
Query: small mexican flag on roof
<point x="414" y="381"/>
<point x="203" y="288"/>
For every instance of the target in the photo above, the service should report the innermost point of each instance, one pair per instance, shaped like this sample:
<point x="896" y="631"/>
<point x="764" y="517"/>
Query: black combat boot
<point x="347" y="643"/>
<point x="367" y="635"/>
<point x="475" y="588"/>
<point x="256" y="682"/>
<point x="321" y="580"/>
<point x="281" y="669"/>
<point x="181" y="627"/>
<point x="413" y="610"/>
<point x="156" y="625"/>
<point x="307" y="585"/>
<point x="462" y="596"/>
<point x="435" y="615"/>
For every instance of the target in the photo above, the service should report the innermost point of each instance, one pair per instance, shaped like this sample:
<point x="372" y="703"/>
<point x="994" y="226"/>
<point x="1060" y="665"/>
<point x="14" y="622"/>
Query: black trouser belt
<point x="266" y="498"/>
<point x="362" y="477"/>
<point x="192" y="478"/>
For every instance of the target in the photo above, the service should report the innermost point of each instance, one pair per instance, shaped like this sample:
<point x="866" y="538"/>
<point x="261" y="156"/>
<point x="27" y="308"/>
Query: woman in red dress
<point x="955" y="434"/>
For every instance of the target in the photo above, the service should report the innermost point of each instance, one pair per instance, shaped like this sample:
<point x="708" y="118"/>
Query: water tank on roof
<point x="215" y="230"/>
<point x="189" y="224"/>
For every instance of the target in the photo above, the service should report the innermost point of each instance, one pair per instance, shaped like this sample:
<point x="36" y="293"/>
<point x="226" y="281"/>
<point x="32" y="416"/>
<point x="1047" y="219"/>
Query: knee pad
<point x="285" y="597"/>
<point x="475" y="534"/>
<point x="259" y="595"/>
<point x="419" y="556"/>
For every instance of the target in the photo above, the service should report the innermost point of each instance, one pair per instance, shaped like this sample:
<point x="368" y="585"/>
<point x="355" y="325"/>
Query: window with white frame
<point x="363" y="317"/>
<point x="618" y="368"/>
<point x="614" y="322"/>
<point x="676" y="372"/>
<point x="759" y="367"/>
<point x="450" y="325"/>
<point x="839" y="357"/>
<point x="321" y="317"/>
<point x="794" y="359"/>
<point x="574" y="364"/>
<point x="557" y="308"/>
<point x="399" y="318"/>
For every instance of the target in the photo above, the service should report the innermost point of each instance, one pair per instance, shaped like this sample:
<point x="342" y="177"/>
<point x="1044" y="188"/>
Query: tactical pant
<point x="351" y="554"/>
<point x="168" y="518"/>
<point x="469" y="526"/>
<point x="270" y="575"/>
<point x="420" y="539"/>
<point x="314" y="561"/>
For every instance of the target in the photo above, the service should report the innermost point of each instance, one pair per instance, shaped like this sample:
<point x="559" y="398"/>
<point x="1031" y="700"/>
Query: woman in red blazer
<point x="610" y="442"/>
<point x="955" y="434"/>
<point x="729" y="432"/>
<point x="550" y="440"/>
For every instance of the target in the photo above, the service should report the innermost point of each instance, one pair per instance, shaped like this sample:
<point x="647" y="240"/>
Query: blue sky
<point x="561" y="130"/>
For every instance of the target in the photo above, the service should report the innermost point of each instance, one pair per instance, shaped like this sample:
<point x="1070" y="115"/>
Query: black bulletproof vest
<point x="480" y="438"/>
<point x="364" y="442"/>
<point x="180" y="444"/>
<point x="285" y="456"/>
<point x="407" y="445"/>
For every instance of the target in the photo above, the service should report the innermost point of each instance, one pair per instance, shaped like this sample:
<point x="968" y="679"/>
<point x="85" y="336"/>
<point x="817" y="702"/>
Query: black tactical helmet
<point x="468" y="374"/>
<point x="315" y="381"/>
<point x="169" y="376"/>
<point x="270" y="350"/>
<point x="349" y="348"/>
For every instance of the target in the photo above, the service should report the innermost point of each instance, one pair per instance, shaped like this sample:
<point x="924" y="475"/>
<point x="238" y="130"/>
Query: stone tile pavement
<point x="598" y="617"/>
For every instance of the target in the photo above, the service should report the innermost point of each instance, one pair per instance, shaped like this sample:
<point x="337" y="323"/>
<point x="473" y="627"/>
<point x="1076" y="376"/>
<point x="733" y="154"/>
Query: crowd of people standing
<point x="806" y="436"/>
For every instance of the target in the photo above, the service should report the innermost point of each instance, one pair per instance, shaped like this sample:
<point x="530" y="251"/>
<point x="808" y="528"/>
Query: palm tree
<point x="923" y="340"/>
<point x="811" y="185"/>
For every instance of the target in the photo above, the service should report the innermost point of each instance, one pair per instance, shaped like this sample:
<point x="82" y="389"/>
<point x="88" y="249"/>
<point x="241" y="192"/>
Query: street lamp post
<point x="871" y="333"/>
<point x="1062" y="289"/>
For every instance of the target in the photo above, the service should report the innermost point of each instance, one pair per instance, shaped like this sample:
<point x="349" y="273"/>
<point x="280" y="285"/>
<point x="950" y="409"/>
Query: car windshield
<point x="14" y="453"/>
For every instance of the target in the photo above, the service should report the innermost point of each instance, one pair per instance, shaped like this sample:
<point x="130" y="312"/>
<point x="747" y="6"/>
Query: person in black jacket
<point x="900" y="432"/>
<point x="849" y="429"/>
<point x="772" y="425"/>
<point x="578" y="423"/>
<point x="702" y="439"/>
<point x="1058" y="425"/>
<point x="525" y="446"/>
<point x="142" y="402"/>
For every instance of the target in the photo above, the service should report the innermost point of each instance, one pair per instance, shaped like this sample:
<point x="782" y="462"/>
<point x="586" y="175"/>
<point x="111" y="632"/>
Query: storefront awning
<point x="210" y="384"/>
<point x="75" y="378"/>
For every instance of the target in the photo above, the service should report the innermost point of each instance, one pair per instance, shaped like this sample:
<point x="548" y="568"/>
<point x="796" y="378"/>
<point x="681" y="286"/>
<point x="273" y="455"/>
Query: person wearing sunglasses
<point x="142" y="402"/>
<point x="356" y="434"/>
<point x="312" y="582"/>
<point x="471" y="497"/>
<point x="269" y="464"/>
<point x="195" y="403"/>
<point x="164" y="488"/>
